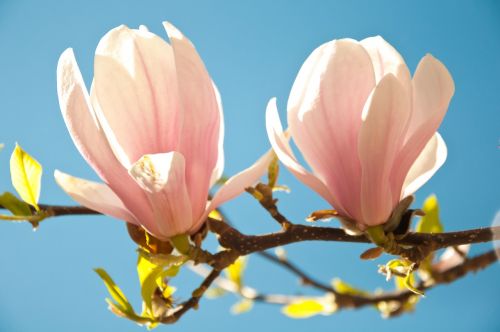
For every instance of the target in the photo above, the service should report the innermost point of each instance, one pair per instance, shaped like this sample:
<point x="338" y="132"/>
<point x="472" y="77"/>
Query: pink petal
<point x="386" y="59"/>
<point x="381" y="135"/>
<point x="89" y="137"/>
<point x="80" y="118"/>
<point x="201" y="132"/>
<point x="324" y="115"/>
<point x="219" y="166"/>
<point x="451" y="258"/>
<point x="433" y="88"/>
<point x="135" y="84"/>
<point x="95" y="196"/>
<point x="285" y="154"/>
<point x="236" y="184"/>
<point x="428" y="162"/>
<point x="162" y="178"/>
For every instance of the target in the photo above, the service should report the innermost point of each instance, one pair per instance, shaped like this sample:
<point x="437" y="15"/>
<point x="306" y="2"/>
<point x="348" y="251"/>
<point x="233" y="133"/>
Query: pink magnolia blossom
<point x="151" y="128"/>
<point x="365" y="127"/>
<point x="451" y="258"/>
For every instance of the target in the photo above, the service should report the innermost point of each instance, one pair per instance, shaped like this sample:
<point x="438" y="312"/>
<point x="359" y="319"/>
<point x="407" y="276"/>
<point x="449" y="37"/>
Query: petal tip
<point x="172" y="31"/>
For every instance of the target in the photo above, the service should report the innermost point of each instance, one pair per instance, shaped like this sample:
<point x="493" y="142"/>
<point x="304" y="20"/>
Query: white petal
<point x="88" y="135"/>
<point x="162" y="176"/>
<point x="135" y="84"/>
<point x="219" y="166"/>
<point x="80" y="118"/>
<point x="95" y="196"/>
<point x="428" y="162"/>
<point x="381" y="136"/>
<point x="285" y="154"/>
<point x="451" y="258"/>
<point x="200" y="137"/>
<point x="433" y="88"/>
<point x="324" y="115"/>
<point x="236" y="184"/>
<point x="386" y="59"/>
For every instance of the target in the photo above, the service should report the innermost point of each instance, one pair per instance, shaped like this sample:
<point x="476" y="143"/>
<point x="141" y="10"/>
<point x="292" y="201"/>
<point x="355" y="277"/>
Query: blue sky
<point x="253" y="50"/>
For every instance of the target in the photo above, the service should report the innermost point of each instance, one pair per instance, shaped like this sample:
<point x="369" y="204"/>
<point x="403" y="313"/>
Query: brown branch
<point x="264" y="194"/>
<point x="231" y="238"/>
<point x="64" y="210"/>
<point x="473" y="264"/>
<point x="349" y="301"/>
<point x="305" y="278"/>
<point x="239" y="244"/>
<point x="192" y="303"/>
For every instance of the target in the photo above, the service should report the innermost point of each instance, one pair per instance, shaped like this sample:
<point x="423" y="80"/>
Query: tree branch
<point x="231" y="238"/>
<point x="473" y="264"/>
<point x="64" y="210"/>
<point x="305" y="278"/>
<point x="349" y="301"/>
<point x="241" y="244"/>
<point x="193" y="301"/>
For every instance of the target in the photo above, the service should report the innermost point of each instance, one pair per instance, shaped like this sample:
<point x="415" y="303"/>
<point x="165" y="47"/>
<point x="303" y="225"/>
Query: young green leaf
<point x="214" y="292"/>
<point x="114" y="308"/>
<point x="14" y="205"/>
<point x="273" y="172"/>
<point x="151" y="274"/>
<point x="408" y="282"/>
<point x="235" y="271"/>
<point x="430" y="223"/>
<point x="304" y="308"/>
<point x="26" y="175"/>
<point x="343" y="287"/>
<point x="121" y="301"/>
<point x="242" y="306"/>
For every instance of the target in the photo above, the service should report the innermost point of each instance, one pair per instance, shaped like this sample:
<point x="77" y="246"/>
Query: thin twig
<point x="193" y="301"/>
<point x="64" y="210"/>
<point x="347" y="301"/>
<point x="305" y="278"/>
<point x="473" y="264"/>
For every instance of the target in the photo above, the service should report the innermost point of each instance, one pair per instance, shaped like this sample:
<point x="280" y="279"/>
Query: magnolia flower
<point x="365" y="127"/>
<point x="451" y="257"/>
<point x="152" y="129"/>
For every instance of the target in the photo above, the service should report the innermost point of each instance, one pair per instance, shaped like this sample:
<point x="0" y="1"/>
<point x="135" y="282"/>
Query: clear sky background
<point x="253" y="50"/>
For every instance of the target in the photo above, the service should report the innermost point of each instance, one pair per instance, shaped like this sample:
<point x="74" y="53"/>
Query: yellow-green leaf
<point x="121" y="301"/>
<point x="150" y="323"/>
<point x="26" y="175"/>
<point x="273" y="171"/>
<point x="281" y="187"/>
<point x="409" y="282"/>
<point x="151" y="274"/>
<point x="221" y="181"/>
<point x="430" y="223"/>
<point x="343" y="287"/>
<point x="14" y="205"/>
<point x="235" y="271"/>
<point x="214" y="292"/>
<point x="242" y="306"/>
<point x="181" y="243"/>
<point x="303" y="308"/>
<point x="215" y="215"/>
